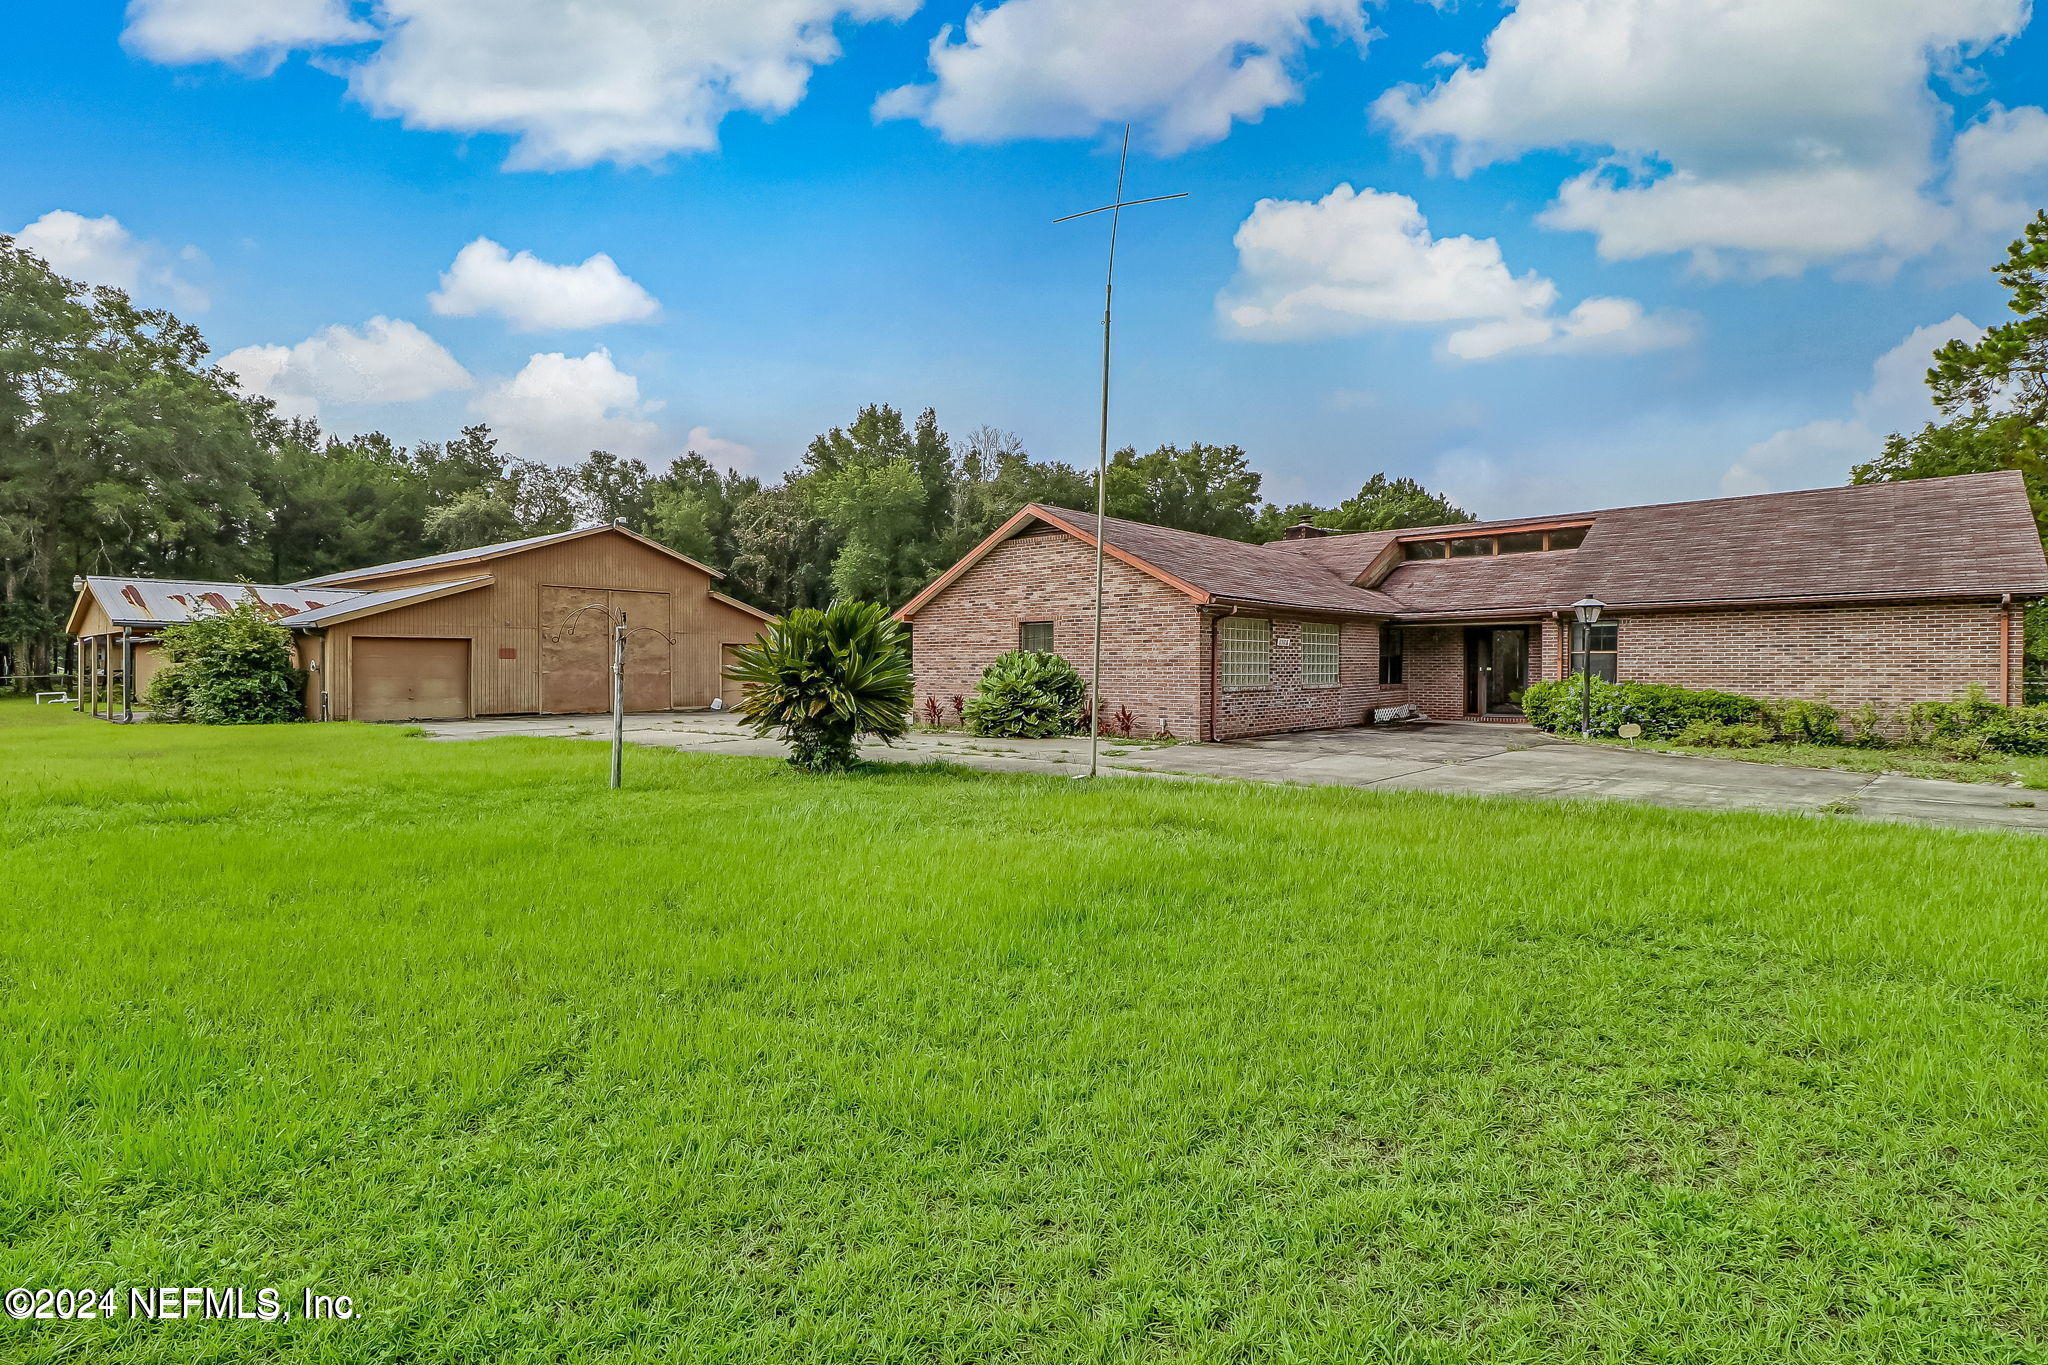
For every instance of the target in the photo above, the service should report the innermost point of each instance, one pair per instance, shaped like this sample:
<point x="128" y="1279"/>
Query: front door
<point x="1496" y="669"/>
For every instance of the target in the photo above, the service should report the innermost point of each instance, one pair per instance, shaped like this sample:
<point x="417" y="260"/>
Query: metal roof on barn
<point x="169" y="601"/>
<point x="354" y="604"/>
<point x="503" y="547"/>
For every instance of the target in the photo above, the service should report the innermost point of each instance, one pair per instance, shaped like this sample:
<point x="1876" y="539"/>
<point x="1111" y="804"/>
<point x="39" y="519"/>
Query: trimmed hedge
<point x="1662" y="710"/>
<point x="1968" y="727"/>
<point x="1027" y="695"/>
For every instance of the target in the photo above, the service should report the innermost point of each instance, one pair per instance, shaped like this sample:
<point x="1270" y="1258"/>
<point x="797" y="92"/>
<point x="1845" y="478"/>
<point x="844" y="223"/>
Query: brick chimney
<point x="1304" y="530"/>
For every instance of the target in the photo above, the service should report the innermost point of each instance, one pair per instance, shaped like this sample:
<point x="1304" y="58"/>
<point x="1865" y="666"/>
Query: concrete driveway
<point x="1462" y="757"/>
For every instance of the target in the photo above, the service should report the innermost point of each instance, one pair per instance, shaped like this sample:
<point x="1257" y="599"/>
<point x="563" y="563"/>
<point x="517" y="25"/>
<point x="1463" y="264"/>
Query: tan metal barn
<point x="520" y="627"/>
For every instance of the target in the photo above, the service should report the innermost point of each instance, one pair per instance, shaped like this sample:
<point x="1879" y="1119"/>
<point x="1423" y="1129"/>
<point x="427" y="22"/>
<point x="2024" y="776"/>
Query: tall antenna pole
<point x="1115" y="211"/>
<point x="1095" y="716"/>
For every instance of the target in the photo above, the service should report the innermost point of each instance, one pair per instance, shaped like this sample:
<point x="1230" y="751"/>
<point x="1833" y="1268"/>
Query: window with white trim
<point x="1318" y="654"/>
<point x="1247" y="649"/>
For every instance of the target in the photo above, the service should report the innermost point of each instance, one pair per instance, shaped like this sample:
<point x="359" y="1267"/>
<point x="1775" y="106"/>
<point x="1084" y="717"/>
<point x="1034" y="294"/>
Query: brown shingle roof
<point x="1970" y="535"/>
<point x="1227" y="569"/>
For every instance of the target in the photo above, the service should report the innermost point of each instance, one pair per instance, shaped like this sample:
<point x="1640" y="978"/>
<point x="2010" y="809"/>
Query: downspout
<point x="1564" y="645"/>
<point x="2005" y="648"/>
<point x="1216" y="666"/>
<point x="1209" y="711"/>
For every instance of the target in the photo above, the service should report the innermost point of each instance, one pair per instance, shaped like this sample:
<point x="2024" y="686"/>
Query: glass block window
<point x="1318" y="654"/>
<point x="1247" y="643"/>
<point x="1595" y="646"/>
<point x="1391" y="671"/>
<point x="1035" y="636"/>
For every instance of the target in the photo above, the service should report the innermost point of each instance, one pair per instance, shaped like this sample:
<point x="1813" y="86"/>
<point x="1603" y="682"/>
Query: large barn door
<point x="392" y="678"/>
<point x="575" y="650"/>
<point x="647" y="651"/>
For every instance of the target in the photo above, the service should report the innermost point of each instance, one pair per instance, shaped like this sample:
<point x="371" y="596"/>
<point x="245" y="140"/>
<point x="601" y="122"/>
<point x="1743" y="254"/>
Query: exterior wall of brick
<point x="1436" y="663"/>
<point x="1889" y="655"/>
<point x="1158" y="659"/>
<point x="1286" y="705"/>
<point x="1154" y="643"/>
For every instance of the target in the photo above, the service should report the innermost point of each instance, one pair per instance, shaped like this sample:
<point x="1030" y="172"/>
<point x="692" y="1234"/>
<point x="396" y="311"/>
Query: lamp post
<point x="1587" y="610"/>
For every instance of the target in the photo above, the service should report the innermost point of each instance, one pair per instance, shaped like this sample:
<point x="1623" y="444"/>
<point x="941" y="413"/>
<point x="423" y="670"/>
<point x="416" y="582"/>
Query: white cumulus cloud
<point x="558" y="407"/>
<point x="177" y="32"/>
<point x="1999" y="173"/>
<point x="719" y="450"/>
<point x="534" y="295"/>
<point x="1783" y="133"/>
<point x="102" y="251"/>
<point x="386" y="360"/>
<point x="1821" y="452"/>
<point x="1185" y="69"/>
<point x="626" y="81"/>
<point x="1358" y="259"/>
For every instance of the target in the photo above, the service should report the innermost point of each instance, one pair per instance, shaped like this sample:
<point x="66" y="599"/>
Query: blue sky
<point x="1774" y="207"/>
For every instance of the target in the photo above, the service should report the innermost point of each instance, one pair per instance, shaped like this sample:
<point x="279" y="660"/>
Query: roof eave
<point x="536" y="543"/>
<point x="427" y="592"/>
<point x="742" y="606"/>
<point x="1301" y="609"/>
<point x="1030" y="511"/>
<point x="1419" y="617"/>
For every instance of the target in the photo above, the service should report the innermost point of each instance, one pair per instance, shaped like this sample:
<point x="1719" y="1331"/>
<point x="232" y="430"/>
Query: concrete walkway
<point x="1467" y="758"/>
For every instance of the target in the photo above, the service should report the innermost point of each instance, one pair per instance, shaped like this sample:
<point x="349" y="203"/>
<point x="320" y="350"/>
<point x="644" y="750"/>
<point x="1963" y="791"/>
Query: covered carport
<point x="115" y="622"/>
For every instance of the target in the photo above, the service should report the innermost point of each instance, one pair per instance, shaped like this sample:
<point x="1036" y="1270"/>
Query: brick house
<point x="1881" y="593"/>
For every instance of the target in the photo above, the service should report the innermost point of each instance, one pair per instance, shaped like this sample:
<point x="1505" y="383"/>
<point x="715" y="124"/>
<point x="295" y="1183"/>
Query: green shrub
<point x="1931" y="722"/>
<point x="1662" y="710"/>
<point x="1806" y="722"/>
<point x="2020" y="730"/>
<point x="1867" y="728"/>
<point x="1712" y="734"/>
<point x="823" y="680"/>
<point x="169" y="695"/>
<point x="1964" y="748"/>
<point x="232" y="667"/>
<point x="1027" y="695"/>
<point x="1975" y="717"/>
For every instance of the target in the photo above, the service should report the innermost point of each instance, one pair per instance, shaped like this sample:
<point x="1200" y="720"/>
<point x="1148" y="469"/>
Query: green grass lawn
<point x="1908" y="760"/>
<point x="925" y="1065"/>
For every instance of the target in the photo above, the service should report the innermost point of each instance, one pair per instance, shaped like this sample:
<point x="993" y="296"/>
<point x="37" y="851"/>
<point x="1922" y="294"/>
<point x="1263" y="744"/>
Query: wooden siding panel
<point x="507" y="618"/>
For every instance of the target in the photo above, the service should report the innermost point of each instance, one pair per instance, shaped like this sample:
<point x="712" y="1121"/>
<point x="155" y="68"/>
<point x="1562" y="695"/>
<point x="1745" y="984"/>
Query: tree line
<point x="1992" y="394"/>
<point x="123" y="450"/>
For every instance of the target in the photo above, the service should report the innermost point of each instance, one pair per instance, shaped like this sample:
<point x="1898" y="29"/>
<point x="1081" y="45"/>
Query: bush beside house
<point x="1027" y="695"/>
<point x="230" y="668"/>
<point x="1968" y="727"/>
